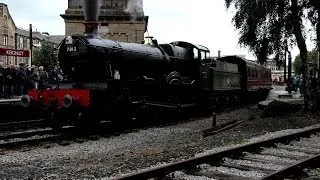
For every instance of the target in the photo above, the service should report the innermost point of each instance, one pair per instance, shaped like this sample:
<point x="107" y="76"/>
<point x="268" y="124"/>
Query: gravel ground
<point x="138" y="150"/>
<point x="232" y="171"/>
<point x="313" y="173"/>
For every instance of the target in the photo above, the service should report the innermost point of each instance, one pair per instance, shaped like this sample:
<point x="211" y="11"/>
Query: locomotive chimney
<point x="91" y="15"/>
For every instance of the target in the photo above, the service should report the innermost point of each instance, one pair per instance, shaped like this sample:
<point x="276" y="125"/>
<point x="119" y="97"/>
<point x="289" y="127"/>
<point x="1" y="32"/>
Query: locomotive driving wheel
<point x="174" y="78"/>
<point x="54" y="122"/>
<point x="144" y="115"/>
<point x="85" y="121"/>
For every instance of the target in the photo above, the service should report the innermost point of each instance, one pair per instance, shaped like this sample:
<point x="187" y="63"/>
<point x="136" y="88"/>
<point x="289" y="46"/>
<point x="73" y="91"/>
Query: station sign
<point x="14" y="52"/>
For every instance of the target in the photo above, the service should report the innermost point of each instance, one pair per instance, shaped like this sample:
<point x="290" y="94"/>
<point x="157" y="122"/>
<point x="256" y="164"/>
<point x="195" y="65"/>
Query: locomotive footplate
<point x="178" y="107"/>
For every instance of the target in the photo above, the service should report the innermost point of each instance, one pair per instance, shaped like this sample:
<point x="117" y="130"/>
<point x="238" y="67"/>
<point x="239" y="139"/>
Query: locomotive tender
<point x="115" y="81"/>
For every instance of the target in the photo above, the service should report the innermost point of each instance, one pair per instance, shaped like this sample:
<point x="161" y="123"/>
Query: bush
<point x="280" y="108"/>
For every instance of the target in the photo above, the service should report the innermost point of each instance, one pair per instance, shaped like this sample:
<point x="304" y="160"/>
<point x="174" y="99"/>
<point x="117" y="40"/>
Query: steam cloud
<point x="135" y="9"/>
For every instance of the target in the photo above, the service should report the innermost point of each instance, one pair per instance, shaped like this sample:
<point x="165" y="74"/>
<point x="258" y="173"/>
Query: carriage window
<point x="253" y="73"/>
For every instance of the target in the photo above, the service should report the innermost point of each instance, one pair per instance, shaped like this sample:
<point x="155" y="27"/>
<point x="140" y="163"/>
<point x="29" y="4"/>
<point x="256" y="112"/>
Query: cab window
<point x="207" y="55"/>
<point x="203" y="55"/>
<point x="195" y="53"/>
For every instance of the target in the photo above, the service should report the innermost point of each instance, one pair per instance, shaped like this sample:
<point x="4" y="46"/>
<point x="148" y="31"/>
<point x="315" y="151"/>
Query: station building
<point x="15" y="40"/>
<point x="277" y="73"/>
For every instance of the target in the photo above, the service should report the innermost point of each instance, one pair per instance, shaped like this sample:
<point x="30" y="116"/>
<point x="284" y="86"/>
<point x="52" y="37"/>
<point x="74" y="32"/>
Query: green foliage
<point x="264" y="26"/>
<point x="312" y="57"/>
<point x="45" y="56"/>
<point x="280" y="108"/>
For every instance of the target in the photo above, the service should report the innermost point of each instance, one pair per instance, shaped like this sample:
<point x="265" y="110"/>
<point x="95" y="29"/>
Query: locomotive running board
<point x="171" y="106"/>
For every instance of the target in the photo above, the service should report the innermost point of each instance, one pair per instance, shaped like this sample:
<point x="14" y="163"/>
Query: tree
<point x="312" y="58"/>
<point x="314" y="17"/>
<point x="265" y="25"/>
<point x="45" y="56"/>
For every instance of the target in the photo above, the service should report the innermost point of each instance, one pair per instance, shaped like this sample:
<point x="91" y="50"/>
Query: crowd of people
<point x="17" y="80"/>
<point x="295" y="83"/>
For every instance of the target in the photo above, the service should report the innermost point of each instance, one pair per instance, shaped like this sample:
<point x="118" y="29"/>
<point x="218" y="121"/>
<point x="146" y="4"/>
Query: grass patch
<point x="279" y="108"/>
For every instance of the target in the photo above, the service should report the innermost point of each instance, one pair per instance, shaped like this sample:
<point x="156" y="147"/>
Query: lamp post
<point x="285" y="61"/>
<point x="31" y="44"/>
<point x="289" y="70"/>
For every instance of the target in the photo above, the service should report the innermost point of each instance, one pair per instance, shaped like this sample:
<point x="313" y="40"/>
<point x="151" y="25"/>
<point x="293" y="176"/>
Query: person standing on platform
<point x="35" y="77"/>
<point x="2" y="70"/>
<point x="43" y="78"/>
<point x="9" y="81"/>
<point x="22" y="79"/>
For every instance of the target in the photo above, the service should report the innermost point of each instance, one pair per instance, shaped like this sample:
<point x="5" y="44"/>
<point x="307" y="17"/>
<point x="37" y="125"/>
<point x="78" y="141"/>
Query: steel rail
<point x="294" y="169"/>
<point x="31" y="141"/>
<point x="27" y="138"/>
<point x="215" y="158"/>
<point x="34" y="132"/>
<point x="21" y="123"/>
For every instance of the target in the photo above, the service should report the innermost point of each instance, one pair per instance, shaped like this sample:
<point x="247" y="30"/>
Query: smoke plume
<point x="135" y="9"/>
<point x="91" y="10"/>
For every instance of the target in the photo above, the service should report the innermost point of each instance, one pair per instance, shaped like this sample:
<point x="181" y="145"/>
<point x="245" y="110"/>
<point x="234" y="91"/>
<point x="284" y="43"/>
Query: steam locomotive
<point x="120" y="82"/>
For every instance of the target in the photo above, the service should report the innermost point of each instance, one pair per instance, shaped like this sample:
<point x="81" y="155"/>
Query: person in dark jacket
<point x="22" y="79"/>
<point x="2" y="72"/>
<point x="10" y="81"/>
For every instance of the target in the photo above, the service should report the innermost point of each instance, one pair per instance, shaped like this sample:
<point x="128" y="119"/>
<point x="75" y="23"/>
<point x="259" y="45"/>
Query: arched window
<point x="5" y="21"/>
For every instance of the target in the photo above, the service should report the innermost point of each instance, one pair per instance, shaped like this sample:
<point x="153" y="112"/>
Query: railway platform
<point x="12" y="111"/>
<point x="15" y="99"/>
<point x="279" y="93"/>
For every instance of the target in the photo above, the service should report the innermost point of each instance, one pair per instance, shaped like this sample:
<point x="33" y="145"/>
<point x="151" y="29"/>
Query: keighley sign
<point x="14" y="52"/>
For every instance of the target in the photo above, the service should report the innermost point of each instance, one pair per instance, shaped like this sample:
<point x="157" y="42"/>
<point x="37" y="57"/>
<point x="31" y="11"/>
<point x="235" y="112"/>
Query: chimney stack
<point x="219" y="54"/>
<point x="91" y="15"/>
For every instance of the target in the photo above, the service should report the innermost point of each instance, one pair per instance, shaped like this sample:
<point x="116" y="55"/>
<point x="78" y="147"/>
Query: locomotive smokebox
<point x="91" y="15"/>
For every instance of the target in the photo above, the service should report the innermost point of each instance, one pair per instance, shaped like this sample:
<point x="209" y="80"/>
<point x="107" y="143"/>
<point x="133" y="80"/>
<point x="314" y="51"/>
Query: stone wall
<point x="7" y="32"/>
<point x="116" y="23"/>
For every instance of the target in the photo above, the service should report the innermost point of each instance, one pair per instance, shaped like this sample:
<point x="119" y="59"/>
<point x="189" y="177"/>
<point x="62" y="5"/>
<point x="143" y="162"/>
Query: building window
<point x="6" y="60"/>
<point x="21" y="43"/>
<point x="106" y="4"/>
<point x="5" y="40"/>
<point x="119" y="4"/>
<point x="1" y="10"/>
<point x="28" y="43"/>
<point x="25" y="45"/>
<point x="5" y="21"/>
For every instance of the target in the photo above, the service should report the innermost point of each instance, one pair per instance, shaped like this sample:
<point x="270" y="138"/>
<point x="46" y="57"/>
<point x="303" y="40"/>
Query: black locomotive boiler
<point x="118" y="82"/>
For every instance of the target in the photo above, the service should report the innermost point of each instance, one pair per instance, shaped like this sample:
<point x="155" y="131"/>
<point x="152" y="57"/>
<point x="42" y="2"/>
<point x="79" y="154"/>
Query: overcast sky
<point x="205" y="22"/>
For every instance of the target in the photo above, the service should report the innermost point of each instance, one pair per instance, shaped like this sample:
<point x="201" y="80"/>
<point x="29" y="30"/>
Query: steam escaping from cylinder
<point x="135" y="9"/>
<point x="91" y="11"/>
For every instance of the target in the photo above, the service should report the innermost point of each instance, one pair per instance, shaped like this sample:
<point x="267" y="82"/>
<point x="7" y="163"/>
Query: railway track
<point x="277" y="158"/>
<point x="22" y="125"/>
<point x="25" y="132"/>
<point x="33" y="136"/>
